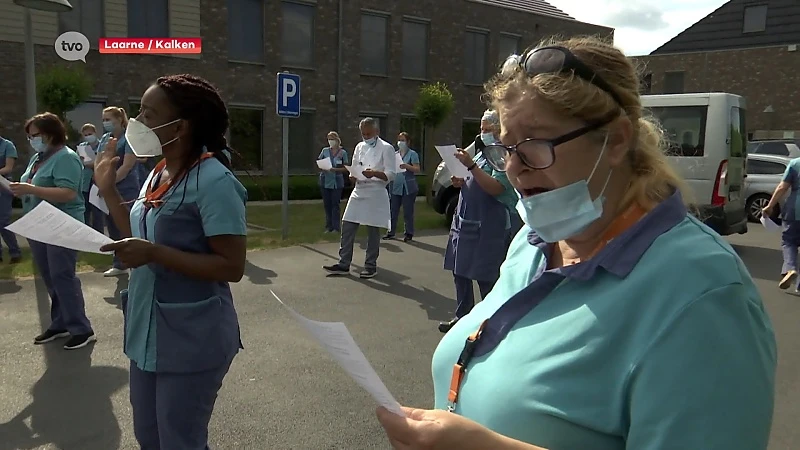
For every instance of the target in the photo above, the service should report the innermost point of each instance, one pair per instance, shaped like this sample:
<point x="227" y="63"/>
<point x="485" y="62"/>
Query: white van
<point x="709" y="150"/>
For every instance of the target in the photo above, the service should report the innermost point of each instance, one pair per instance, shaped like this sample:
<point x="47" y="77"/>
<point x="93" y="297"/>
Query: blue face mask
<point x="90" y="138"/>
<point x="564" y="212"/>
<point x="37" y="144"/>
<point x="108" y="126"/>
<point x="371" y="141"/>
<point x="488" y="138"/>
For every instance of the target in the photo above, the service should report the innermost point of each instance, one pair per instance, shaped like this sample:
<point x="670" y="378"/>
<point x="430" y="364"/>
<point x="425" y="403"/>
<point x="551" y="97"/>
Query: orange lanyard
<point x="617" y="227"/>
<point x="153" y="197"/>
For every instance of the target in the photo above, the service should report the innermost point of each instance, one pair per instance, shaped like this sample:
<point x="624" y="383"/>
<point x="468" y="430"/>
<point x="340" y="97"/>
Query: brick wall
<point x="117" y="78"/>
<point x="764" y="76"/>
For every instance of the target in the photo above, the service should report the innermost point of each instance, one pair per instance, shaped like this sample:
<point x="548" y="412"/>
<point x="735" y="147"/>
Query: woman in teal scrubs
<point x="94" y="217"/>
<point x="185" y="240"/>
<point x="620" y="321"/>
<point x="403" y="189"/>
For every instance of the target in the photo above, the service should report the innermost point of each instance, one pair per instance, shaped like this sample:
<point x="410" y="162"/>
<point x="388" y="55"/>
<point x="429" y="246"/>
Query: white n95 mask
<point x="143" y="140"/>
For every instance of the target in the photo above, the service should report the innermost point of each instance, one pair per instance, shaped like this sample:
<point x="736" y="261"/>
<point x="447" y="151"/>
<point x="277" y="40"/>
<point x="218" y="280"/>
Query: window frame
<point x="260" y="169"/>
<point x="94" y="43"/>
<point x="238" y="59"/>
<point x="507" y="35"/>
<point x="310" y="167"/>
<point x="387" y="18"/>
<point x="464" y="120"/>
<point x="669" y="73"/>
<point x="762" y="25"/>
<point x="675" y="148"/>
<point x="487" y="43"/>
<point x="130" y="5"/>
<point x="426" y="23"/>
<point x="419" y="145"/>
<point x="309" y="65"/>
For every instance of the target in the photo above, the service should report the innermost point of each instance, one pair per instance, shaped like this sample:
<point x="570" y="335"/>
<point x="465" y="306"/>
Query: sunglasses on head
<point x="555" y="59"/>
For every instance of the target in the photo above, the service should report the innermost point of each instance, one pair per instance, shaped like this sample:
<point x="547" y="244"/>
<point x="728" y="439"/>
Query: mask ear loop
<point x="596" y="164"/>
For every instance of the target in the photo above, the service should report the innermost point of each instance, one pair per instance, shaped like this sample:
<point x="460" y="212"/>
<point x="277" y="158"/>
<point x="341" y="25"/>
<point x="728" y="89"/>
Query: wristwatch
<point x="474" y="165"/>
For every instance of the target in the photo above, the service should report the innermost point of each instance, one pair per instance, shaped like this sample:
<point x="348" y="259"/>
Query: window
<point x="673" y="83"/>
<point x="374" y="44"/>
<point x="298" y="35"/>
<point x="507" y="45"/>
<point x="246" y="30"/>
<point x="773" y="148"/>
<point x="738" y="137"/>
<point x="755" y="19"/>
<point x="246" y="131"/>
<point x="133" y="108"/>
<point x="646" y="84"/>
<point x="87" y="112"/>
<point x="758" y="167"/>
<point x="476" y="47"/>
<point x="87" y="17"/>
<point x="148" y="18"/>
<point x="415" y="49"/>
<point x="412" y="126"/>
<point x="469" y="129"/>
<point x="685" y="128"/>
<point x="303" y="148"/>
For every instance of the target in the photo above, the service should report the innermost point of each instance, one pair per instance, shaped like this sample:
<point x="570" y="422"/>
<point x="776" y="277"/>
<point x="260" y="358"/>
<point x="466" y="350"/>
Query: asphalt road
<point x="283" y="392"/>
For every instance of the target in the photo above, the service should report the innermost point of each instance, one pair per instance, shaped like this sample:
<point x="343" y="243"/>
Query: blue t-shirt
<point x="333" y="180"/>
<point x="405" y="183"/>
<point x="129" y="186"/>
<point x="175" y="323"/>
<point x="63" y="169"/>
<point x="791" y="208"/>
<point x="7" y="150"/>
<point x="661" y="341"/>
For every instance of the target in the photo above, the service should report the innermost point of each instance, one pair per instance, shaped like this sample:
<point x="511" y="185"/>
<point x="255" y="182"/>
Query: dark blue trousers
<point x="332" y="201"/>
<point x="56" y="266"/>
<point x="6" y="199"/>
<point x="93" y="216"/>
<point x="171" y="411"/>
<point x="406" y="202"/>
<point x="465" y="294"/>
<point x="790" y="242"/>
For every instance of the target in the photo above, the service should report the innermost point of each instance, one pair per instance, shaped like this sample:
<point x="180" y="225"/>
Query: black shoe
<point x="80" y="341"/>
<point x="15" y="260"/>
<point x="337" y="269"/>
<point x="388" y="237"/>
<point x="408" y="238"/>
<point x="50" y="336"/>
<point x="368" y="273"/>
<point x="444" y="327"/>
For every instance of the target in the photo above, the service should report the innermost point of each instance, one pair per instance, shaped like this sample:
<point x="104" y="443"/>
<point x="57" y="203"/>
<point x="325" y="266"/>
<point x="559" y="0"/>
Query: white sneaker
<point x="114" y="272"/>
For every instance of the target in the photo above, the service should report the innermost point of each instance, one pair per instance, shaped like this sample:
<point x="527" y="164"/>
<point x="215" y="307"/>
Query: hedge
<point x="301" y="187"/>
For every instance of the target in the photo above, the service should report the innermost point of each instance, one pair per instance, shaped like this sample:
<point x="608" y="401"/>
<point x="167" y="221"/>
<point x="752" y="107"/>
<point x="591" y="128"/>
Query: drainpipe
<point x="339" y="65"/>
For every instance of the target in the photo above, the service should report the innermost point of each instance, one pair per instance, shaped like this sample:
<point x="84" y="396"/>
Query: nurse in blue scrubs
<point x="54" y="175"/>
<point x="115" y="122"/>
<point x="93" y="216"/>
<point x="790" y="217"/>
<point x="331" y="181"/>
<point x="8" y="156"/>
<point x="185" y="240"/>
<point x="478" y="234"/>
<point x="619" y="321"/>
<point x="404" y="189"/>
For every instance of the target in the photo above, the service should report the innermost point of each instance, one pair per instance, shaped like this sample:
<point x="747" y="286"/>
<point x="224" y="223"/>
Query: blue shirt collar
<point x="622" y="254"/>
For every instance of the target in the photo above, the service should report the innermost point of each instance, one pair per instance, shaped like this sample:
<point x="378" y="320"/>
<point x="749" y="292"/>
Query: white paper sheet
<point x="5" y="184"/>
<point x="86" y="152"/>
<point x="324" y="164"/>
<point x="48" y="224"/>
<point x="769" y="224"/>
<point x="399" y="158"/>
<point x="356" y="173"/>
<point x="338" y="342"/>
<point x="96" y="200"/>
<point x="448" y="154"/>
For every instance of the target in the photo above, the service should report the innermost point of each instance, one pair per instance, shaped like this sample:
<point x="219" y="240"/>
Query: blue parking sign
<point x="288" y="96"/>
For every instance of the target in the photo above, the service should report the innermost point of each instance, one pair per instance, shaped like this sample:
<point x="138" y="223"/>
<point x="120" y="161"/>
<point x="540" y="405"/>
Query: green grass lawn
<point x="306" y="226"/>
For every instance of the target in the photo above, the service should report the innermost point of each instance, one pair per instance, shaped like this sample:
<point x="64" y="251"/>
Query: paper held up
<point x="399" y="158"/>
<point x="335" y="338"/>
<point x="324" y="164"/>
<point x="356" y="173"/>
<point x="86" y="152"/>
<point x="48" y="224"/>
<point x="96" y="200"/>
<point x="448" y="154"/>
<point x="769" y="225"/>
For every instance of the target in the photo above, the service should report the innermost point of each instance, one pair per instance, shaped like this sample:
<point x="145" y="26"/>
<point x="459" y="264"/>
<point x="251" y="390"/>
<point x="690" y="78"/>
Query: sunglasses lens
<point x="496" y="156"/>
<point x="549" y="60"/>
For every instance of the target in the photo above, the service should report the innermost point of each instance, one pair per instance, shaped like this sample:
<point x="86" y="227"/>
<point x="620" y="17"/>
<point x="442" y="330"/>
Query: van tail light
<point x="720" y="195"/>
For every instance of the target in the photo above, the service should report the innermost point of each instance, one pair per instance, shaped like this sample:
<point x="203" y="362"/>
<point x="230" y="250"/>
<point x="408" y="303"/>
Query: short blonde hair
<point x="654" y="179"/>
<point x="88" y="126"/>
<point x="336" y="135"/>
<point x="119" y="113"/>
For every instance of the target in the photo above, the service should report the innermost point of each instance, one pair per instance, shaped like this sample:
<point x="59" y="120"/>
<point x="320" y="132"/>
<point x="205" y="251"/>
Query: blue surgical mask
<point x="37" y="144"/>
<point x="564" y="212"/>
<point x="108" y="126"/>
<point x="402" y="145"/>
<point x="371" y="141"/>
<point x="488" y="138"/>
<point x="90" y="138"/>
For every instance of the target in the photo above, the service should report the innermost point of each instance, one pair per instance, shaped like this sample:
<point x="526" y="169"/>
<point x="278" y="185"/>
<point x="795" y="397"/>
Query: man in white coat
<point x="374" y="167"/>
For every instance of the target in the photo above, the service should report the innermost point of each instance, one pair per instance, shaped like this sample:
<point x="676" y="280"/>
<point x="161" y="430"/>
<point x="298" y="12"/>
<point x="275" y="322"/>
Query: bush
<point x="301" y="187"/>
<point x="61" y="89"/>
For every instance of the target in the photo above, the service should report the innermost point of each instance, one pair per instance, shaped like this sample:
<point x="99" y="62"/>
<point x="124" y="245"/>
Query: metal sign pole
<point x="285" y="183"/>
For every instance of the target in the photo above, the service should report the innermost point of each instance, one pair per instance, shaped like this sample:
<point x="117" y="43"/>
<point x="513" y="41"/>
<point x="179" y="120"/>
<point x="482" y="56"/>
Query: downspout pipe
<point x="339" y="67"/>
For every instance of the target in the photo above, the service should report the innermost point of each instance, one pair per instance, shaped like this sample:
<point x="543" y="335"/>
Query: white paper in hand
<point x="324" y="164"/>
<point x="338" y="342"/>
<point x="96" y="200"/>
<point x="48" y="224"/>
<point x="399" y="159"/>
<point x="448" y="154"/>
<point x="769" y="224"/>
<point x="86" y="152"/>
<point x="356" y="173"/>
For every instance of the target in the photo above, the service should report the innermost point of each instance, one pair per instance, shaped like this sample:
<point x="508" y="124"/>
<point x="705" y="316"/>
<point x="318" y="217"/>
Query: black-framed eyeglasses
<point x="555" y="59"/>
<point x="537" y="153"/>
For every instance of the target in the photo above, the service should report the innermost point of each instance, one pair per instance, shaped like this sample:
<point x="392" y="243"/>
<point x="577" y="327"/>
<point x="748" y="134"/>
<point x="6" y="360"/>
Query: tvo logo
<point x="72" y="46"/>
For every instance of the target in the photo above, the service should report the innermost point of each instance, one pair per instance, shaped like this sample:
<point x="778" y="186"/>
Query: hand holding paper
<point x="356" y="173"/>
<point x="448" y="154"/>
<point x="769" y="225"/>
<point x="399" y="159"/>
<point x="48" y="224"/>
<point x="324" y="164"/>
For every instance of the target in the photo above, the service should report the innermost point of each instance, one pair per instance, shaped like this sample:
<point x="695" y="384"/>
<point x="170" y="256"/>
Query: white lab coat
<point x="369" y="201"/>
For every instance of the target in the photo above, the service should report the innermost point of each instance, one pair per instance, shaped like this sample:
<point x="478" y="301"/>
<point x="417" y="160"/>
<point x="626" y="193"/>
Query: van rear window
<point x="685" y="128"/>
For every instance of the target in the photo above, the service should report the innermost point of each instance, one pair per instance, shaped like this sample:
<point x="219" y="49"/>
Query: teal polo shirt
<point x="659" y="342"/>
<point x="64" y="169"/>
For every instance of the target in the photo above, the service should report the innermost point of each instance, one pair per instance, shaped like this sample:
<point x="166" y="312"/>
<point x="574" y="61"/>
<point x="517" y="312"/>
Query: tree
<point x="434" y="103"/>
<point x="60" y="89"/>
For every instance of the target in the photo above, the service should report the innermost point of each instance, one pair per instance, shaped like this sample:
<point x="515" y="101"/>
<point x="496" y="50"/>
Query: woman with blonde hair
<point x="331" y="181"/>
<point x="619" y="321"/>
<point x="115" y="121"/>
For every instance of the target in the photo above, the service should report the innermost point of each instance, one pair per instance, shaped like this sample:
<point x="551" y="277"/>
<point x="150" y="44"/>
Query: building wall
<point x="764" y="76"/>
<point x="121" y="79"/>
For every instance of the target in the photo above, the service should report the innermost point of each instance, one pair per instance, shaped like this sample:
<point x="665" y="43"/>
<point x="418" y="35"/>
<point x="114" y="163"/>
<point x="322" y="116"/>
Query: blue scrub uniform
<point x="93" y="216"/>
<point x="478" y="236"/>
<point x="56" y="265"/>
<point x="332" y="184"/>
<point x="660" y="341"/>
<point x="790" y="217"/>
<point x="128" y="187"/>
<point x="181" y="333"/>
<point x="403" y="191"/>
<point x="7" y="150"/>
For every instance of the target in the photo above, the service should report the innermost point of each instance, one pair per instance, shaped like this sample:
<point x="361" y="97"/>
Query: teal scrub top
<point x="175" y="323"/>
<point x="88" y="172"/>
<point x="659" y="342"/>
<point x="333" y="180"/>
<point x="7" y="150"/>
<point x="508" y="197"/>
<point x="64" y="169"/>
<point x="405" y="183"/>
<point x="791" y="207"/>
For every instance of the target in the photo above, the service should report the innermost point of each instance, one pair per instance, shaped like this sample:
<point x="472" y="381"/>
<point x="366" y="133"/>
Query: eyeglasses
<point x="555" y="59"/>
